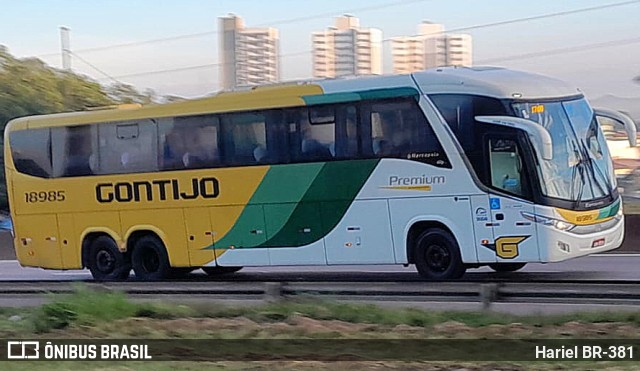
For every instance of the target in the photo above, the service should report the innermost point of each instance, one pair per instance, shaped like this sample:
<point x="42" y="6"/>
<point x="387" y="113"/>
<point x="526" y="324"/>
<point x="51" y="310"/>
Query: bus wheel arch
<point x="434" y="250"/>
<point x="101" y="255"/>
<point x="149" y="256"/>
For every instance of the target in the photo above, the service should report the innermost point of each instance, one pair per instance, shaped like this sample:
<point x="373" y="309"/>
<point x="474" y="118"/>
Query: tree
<point x="30" y="87"/>
<point x="121" y="93"/>
<point x="173" y="99"/>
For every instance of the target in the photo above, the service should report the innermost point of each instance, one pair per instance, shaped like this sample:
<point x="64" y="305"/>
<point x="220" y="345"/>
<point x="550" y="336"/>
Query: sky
<point x="557" y="44"/>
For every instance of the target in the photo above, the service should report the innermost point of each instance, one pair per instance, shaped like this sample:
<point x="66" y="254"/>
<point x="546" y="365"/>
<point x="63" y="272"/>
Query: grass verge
<point x="86" y="308"/>
<point x="96" y="314"/>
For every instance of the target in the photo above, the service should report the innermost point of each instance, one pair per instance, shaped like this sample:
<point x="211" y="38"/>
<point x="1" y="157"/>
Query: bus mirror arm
<point x="537" y="133"/>
<point x="626" y="121"/>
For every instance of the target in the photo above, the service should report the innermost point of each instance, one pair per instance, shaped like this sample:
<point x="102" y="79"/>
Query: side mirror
<point x="537" y="133"/>
<point x="626" y="121"/>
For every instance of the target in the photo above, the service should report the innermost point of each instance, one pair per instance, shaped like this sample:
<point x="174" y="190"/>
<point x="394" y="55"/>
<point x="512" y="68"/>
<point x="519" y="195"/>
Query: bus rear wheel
<point x="507" y="267"/>
<point x="149" y="259"/>
<point x="437" y="255"/>
<point x="106" y="262"/>
<point x="218" y="270"/>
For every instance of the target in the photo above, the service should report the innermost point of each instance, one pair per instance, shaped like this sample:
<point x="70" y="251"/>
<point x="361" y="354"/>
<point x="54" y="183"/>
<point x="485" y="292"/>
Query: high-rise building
<point x="248" y="56"/>
<point x="347" y="49"/>
<point x="430" y="48"/>
<point x="459" y="50"/>
<point x="415" y="53"/>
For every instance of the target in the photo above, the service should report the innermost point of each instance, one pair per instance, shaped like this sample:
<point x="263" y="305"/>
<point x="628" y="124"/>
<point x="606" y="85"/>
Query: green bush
<point x="84" y="307"/>
<point x="54" y="316"/>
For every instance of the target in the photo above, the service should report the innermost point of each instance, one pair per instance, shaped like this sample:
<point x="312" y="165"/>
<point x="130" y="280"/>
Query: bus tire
<point x="149" y="259"/>
<point x="437" y="255"/>
<point x="218" y="270"/>
<point x="106" y="262"/>
<point x="507" y="267"/>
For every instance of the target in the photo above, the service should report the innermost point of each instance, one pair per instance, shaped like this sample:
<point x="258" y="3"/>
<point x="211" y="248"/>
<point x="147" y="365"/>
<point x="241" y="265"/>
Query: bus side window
<point x="31" y="151"/>
<point x="319" y="134"/>
<point x="312" y="134"/>
<point x="244" y="139"/>
<point x="459" y="111"/>
<point x="188" y="142"/>
<point x="398" y="129"/>
<point x="128" y="147"/>
<point x="74" y="150"/>
<point x="505" y="161"/>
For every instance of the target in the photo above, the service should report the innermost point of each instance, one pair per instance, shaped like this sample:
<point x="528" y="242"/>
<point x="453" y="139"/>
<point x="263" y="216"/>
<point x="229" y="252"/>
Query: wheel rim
<point x="105" y="261"/>
<point x="438" y="257"/>
<point x="150" y="260"/>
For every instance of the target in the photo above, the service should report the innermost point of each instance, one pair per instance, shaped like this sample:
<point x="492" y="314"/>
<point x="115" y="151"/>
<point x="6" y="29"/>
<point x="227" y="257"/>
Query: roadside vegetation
<point x="92" y="312"/>
<point x="30" y="87"/>
<point x="111" y="315"/>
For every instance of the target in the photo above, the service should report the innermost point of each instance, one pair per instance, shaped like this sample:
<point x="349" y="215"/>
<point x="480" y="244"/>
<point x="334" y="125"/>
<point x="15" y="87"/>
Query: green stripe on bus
<point x="388" y="93"/>
<point x="298" y="204"/>
<point x="283" y="185"/>
<point x="324" y="204"/>
<point x="362" y="95"/>
<point x="330" y="98"/>
<point x="609" y="211"/>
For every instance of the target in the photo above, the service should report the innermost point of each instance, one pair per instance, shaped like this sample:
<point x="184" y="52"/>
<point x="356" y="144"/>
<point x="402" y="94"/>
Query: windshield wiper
<point x="578" y="168"/>
<point x="595" y="166"/>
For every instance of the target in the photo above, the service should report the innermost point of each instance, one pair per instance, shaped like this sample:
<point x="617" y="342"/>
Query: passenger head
<point x="175" y="142"/>
<point x="399" y="138"/>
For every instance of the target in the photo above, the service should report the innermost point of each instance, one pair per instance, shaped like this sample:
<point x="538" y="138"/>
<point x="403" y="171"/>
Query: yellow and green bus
<point x="447" y="169"/>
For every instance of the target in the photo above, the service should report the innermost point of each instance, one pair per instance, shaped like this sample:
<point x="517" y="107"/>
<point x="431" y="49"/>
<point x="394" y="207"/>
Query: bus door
<point x="515" y="238"/>
<point x="483" y="228"/>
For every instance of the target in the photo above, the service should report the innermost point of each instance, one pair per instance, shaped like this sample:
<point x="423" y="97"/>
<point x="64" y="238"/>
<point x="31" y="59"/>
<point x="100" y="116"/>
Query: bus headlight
<point x="563" y="226"/>
<point x="556" y="223"/>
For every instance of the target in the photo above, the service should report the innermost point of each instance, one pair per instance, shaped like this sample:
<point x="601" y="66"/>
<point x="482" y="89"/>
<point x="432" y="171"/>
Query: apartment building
<point x="430" y="48"/>
<point x="347" y="50"/>
<point x="248" y="56"/>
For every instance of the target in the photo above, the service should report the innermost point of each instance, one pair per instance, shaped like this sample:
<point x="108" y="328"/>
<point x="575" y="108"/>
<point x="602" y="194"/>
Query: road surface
<point x="598" y="267"/>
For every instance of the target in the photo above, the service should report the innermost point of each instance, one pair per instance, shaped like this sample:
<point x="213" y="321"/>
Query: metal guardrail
<point x="627" y="293"/>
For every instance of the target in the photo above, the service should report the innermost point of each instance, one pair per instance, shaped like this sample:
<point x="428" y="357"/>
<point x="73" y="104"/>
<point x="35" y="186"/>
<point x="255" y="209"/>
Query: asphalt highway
<point x="592" y="268"/>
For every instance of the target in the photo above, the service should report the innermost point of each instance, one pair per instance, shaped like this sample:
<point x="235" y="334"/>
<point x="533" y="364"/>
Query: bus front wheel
<point x="437" y="256"/>
<point x="149" y="259"/>
<point x="106" y="262"/>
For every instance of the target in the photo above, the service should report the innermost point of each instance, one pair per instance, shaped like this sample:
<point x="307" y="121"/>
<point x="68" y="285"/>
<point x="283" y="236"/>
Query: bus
<point x="445" y="169"/>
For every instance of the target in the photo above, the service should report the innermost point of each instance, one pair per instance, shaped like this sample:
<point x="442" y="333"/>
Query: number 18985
<point x="44" y="196"/>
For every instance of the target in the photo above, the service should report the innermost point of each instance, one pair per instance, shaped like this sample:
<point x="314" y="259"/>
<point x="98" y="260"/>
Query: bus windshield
<point x="581" y="167"/>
